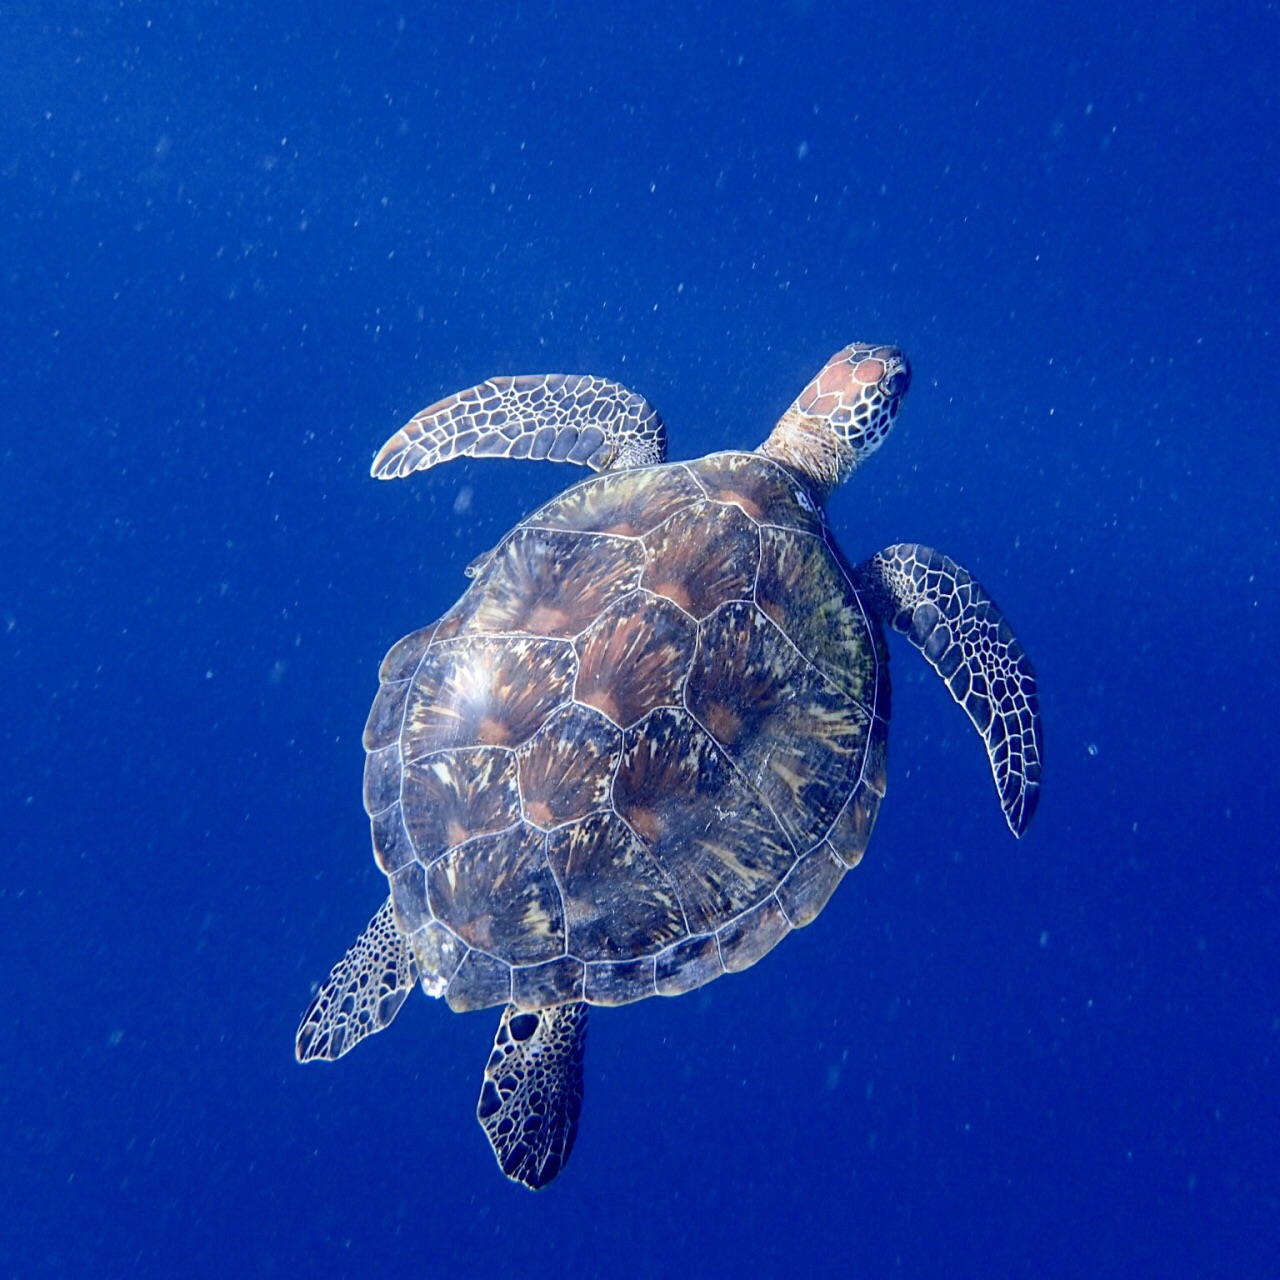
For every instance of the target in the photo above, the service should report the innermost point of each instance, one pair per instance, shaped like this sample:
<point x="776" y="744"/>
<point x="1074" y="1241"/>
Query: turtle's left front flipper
<point x="947" y="615"/>
<point x="560" y="417"/>
<point x="532" y="1095"/>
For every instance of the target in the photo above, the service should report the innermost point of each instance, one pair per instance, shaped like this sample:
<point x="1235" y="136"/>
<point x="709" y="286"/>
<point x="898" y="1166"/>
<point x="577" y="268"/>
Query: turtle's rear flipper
<point x="560" y="417"/>
<point x="947" y="615"/>
<point x="362" y="994"/>
<point x="532" y="1094"/>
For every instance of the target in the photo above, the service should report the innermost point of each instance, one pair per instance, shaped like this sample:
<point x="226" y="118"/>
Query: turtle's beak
<point x="897" y="373"/>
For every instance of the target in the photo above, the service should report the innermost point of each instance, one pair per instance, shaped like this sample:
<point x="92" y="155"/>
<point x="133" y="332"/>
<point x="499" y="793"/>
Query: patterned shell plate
<point x="646" y="743"/>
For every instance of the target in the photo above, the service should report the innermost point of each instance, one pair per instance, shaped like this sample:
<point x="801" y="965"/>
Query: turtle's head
<point x="857" y="395"/>
<point x="843" y="416"/>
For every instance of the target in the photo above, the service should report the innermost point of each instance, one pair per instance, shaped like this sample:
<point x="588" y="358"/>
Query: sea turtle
<point x="649" y="739"/>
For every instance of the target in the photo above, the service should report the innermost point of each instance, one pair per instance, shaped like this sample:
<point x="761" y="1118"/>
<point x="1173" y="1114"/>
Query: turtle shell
<point x="646" y="743"/>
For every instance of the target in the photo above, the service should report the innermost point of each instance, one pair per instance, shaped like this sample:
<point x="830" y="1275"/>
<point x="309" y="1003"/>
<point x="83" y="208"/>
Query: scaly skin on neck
<point x="808" y="446"/>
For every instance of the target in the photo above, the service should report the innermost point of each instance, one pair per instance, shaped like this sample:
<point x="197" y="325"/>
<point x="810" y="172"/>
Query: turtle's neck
<point x="811" y="448"/>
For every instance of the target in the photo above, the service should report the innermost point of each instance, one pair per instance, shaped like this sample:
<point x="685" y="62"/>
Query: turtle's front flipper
<point x="558" y="416"/>
<point x="532" y="1094"/>
<point x="947" y="615"/>
<point x="362" y="994"/>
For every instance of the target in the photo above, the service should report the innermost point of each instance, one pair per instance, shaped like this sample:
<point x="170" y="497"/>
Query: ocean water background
<point x="242" y="243"/>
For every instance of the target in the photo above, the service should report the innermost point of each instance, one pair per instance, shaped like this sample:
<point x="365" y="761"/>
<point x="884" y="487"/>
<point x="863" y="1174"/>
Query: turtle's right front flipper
<point x="362" y="994"/>
<point x="560" y="417"/>
<point x="944" y="611"/>
<point x="532" y="1094"/>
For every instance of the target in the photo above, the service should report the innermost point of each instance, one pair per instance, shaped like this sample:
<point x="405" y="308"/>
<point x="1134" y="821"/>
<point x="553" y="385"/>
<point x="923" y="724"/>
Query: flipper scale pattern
<point x="945" y="612"/>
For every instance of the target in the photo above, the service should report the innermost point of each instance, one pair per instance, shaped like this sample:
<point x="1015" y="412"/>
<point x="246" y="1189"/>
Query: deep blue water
<point x="242" y="243"/>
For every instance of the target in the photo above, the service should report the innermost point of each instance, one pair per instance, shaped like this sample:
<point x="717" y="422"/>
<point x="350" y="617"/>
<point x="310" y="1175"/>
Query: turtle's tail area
<point x="361" y="995"/>
<point x="946" y="613"/>
<point x="532" y="1093"/>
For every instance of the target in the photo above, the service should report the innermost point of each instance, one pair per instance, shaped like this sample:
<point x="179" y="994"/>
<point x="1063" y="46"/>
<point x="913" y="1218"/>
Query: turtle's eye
<point x="897" y="383"/>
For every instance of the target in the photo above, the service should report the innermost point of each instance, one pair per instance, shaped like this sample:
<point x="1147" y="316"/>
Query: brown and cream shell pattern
<point x="647" y="742"/>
